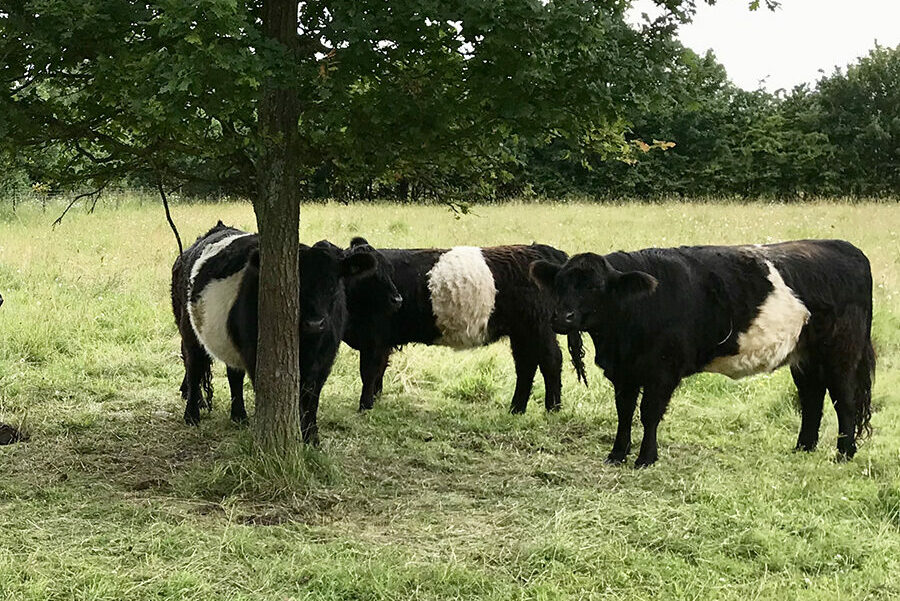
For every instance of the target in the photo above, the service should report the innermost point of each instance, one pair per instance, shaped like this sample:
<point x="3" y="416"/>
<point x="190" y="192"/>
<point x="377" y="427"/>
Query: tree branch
<point x="95" y="193"/>
<point x="165" y="201"/>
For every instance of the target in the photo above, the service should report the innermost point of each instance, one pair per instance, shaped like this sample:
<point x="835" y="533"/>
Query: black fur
<point x="659" y="315"/>
<point x="521" y="311"/>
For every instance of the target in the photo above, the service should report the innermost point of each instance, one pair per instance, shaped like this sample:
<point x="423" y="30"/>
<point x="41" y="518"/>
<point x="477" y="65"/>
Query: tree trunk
<point x="278" y="219"/>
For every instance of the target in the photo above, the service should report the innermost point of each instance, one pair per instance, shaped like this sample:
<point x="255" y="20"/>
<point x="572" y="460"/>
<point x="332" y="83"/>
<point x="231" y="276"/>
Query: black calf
<point x="464" y="297"/>
<point x="658" y="315"/>
<point x="214" y="295"/>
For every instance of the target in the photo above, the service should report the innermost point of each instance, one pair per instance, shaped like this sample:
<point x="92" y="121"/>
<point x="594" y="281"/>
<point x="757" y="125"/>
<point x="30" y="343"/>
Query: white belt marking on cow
<point x="462" y="297"/>
<point x="772" y="336"/>
<point x="209" y="310"/>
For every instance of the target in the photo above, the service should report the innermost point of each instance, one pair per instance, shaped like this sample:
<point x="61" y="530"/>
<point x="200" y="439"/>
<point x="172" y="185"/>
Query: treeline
<point x="700" y="136"/>
<point x="841" y="138"/>
<point x="705" y="137"/>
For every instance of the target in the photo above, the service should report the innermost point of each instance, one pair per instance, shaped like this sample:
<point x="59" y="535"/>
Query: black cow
<point x="463" y="297"/>
<point x="215" y="284"/>
<point x="658" y="315"/>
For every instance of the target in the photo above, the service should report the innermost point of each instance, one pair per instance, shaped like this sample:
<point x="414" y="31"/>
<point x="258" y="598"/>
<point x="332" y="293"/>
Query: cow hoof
<point x="844" y="455"/>
<point x="615" y="459"/>
<point x="643" y="462"/>
<point x="806" y="447"/>
<point x="240" y="418"/>
<point x="192" y="420"/>
<point x="516" y="410"/>
<point x="554" y="408"/>
<point x="364" y="408"/>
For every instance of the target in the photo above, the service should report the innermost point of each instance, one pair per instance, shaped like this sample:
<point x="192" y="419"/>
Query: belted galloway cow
<point x="463" y="297"/>
<point x="661" y="314"/>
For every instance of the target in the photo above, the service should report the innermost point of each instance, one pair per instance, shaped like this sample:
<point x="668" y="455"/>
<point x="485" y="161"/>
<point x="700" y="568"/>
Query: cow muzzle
<point x="314" y="326"/>
<point x="565" y="322"/>
<point x="396" y="301"/>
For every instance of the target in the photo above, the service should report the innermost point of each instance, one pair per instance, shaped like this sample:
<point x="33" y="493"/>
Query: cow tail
<point x="576" y="352"/>
<point x="865" y="369"/>
<point x="207" y="385"/>
<point x="865" y="375"/>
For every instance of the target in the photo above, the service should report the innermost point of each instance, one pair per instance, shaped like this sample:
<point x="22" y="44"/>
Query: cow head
<point x="323" y="268"/>
<point x="377" y="288"/>
<point x="587" y="288"/>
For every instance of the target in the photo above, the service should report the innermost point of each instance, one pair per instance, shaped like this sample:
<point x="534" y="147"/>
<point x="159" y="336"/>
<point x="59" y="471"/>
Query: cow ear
<point x="544" y="273"/>
<point x="304" y="248"/>
<point x="358" y="241"/>
<point x="632" y="285"/>
<point x="357" y="264"/>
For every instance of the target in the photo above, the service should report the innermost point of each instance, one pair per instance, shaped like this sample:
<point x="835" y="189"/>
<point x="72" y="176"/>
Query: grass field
<point x="438" y="493"/>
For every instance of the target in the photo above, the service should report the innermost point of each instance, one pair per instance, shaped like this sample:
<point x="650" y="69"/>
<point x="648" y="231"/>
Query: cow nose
<point x="314" y="325"/>
<point x="570" y="318"/>
<point x="396" y="300"/>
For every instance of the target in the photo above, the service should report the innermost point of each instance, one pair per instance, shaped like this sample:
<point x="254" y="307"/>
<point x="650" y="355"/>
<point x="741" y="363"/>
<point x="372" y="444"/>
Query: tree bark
<point x="277" y="210"/>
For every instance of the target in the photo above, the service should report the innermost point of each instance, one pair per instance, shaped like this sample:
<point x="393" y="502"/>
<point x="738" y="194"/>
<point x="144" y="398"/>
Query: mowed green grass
<point x="438" y="493"/>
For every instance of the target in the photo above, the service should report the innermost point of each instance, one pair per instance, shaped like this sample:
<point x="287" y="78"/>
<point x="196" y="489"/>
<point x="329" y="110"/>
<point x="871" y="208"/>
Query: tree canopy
<point x="444" y="93"/>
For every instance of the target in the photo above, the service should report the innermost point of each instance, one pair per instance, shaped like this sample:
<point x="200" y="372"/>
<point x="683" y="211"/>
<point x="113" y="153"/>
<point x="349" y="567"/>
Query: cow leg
<point x="309" y="408"/>
<point x="379" y="379"/>
<point x="653" y="405"/>
<point x="551" y="369"/>
<point x="526" y="360"/>
<point x="626" y="400"/>
<point x="236" y="386"/>
<point x="810" y="383"/>
<point x="372" y="362"/>
<point x="206" y="387"/>
<point x="197" y="367"/>
<point x="841" y="387"/>
<point x="184" y="380"/>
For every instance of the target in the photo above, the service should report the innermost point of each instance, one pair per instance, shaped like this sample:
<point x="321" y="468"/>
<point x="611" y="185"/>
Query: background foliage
<point x="407" y="141"/>
<point x="416" y="100"/>
<point x="413" y="96"/>
<point x="841" y="138"/>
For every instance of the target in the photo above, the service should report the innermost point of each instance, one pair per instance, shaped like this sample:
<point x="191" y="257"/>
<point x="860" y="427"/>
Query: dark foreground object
<point x="658" y="315"/>
<point x="464" y="297"/>
<point x="9" y="435"/>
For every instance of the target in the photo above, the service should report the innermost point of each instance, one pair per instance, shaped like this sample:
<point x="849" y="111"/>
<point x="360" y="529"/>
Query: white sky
<point x="789" y="46"/>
